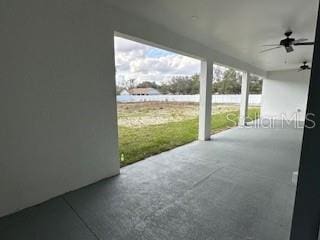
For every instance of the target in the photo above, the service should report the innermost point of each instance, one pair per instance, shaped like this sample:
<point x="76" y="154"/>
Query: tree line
<point x="227" y="82"/>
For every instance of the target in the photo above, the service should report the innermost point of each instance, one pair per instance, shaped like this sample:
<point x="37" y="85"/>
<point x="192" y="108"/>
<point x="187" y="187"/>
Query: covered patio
<point x="220" y="189"/>
<point x="60" y="175"/>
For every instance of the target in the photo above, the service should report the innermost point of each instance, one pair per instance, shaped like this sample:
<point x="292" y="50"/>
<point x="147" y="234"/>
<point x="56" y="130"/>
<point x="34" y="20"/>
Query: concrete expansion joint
<point x="80" y="218"/>
<point x="205" y="178"/>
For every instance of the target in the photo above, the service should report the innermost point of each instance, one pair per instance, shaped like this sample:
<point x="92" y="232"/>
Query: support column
<point x="244" y="99"/>
<point x="206" y="77"/>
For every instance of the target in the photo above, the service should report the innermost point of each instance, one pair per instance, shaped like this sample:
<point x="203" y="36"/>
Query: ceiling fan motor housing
<point x="287" y="43"/>
<point x="288" y="33"/>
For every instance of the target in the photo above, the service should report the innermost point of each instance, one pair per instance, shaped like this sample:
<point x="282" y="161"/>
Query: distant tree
<point x="183" y="85"/>
<point x="255" y="85"/>
<point x="195" y="84"/>
<point x="218" y="73"/>
<point x="148" y="84"/>
<point x="163" y="89"/>
<point x="229" y="84"/>
<point x="125" y="85"/>
<point x="119" y="90"/>
<point x="131" y="83"/>
<point x="224" y="82"/>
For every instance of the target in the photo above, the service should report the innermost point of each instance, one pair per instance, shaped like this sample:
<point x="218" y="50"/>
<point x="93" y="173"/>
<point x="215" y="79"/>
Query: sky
<point x="145" y="63"/>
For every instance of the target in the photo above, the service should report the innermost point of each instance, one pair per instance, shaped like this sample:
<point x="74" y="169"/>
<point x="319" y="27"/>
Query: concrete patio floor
<point x="237" y="186"/>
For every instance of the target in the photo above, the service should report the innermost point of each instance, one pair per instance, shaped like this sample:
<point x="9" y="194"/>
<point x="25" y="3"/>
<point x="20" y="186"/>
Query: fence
<point x="233" y="99"/>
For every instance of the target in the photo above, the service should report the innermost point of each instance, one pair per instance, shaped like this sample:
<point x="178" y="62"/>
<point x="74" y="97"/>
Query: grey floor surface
<point x="235" y="187"/>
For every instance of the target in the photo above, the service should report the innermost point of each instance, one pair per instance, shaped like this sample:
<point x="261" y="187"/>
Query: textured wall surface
<point x="285" y="93"/>
<point x="57" y="98"/>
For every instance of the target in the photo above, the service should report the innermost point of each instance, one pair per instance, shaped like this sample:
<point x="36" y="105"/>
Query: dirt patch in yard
<point x="154" y="113"/>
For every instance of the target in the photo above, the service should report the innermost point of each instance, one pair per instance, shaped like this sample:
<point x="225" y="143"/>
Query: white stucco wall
<point x="57" y="94"/>
<point x="57" y="100"/>
<point x="285" y="93"/>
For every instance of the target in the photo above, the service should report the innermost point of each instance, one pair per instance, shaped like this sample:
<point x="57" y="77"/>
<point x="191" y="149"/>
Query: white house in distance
<point x="143" y="91"/>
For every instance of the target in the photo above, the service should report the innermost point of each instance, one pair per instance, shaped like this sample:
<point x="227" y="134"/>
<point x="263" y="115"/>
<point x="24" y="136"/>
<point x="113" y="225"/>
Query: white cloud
<point x="145" y="63"/>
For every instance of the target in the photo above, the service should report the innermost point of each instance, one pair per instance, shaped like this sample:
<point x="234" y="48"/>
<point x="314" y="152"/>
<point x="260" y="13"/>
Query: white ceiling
<point x="237" y="28"/>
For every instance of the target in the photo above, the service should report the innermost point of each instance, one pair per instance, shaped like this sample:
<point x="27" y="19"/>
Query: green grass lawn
<point x="138" y="143"/>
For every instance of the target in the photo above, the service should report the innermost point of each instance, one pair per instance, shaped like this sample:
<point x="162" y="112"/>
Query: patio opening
<point x="228" y="98"/>
<point x="157" y="99"/>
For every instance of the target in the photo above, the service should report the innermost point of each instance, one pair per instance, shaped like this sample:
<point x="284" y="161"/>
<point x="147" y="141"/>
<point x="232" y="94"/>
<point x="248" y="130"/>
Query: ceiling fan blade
<point x="304" y="44"/>
<point x="300" y="40"/>
<point x="270" y="45"/>
<point x="270" y="49"/>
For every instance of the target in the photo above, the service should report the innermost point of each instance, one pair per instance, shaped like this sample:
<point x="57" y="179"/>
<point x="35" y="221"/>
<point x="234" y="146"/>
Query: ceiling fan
<point x="288" y="43"/>
<point x="304" y="67"/>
